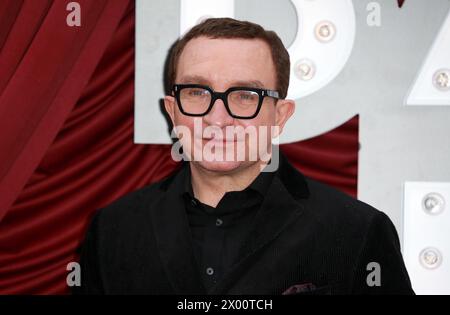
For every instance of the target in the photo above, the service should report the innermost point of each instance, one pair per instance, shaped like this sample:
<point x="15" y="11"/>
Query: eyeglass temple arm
<point x="272" y="93"/>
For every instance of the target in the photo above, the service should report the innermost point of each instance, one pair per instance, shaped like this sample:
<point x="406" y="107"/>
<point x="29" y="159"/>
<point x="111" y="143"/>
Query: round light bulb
<point x="325" y="31"/>
<point x="305" y="69"/>
<point x="441" y="79"/>
<point x="430" y="258"/>
<point x="433" y="203"/>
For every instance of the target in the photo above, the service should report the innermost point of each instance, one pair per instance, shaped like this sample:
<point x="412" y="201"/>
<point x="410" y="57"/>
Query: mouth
<point x="219" y="141"/>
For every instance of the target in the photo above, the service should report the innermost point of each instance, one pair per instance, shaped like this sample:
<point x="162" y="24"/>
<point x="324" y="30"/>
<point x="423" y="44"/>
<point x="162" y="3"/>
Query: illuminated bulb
<point x="433" y="203"/>
<point x="441" y="79"/>
<point x="325" y="31"/>
<point x="430" y="258"/>
<point x="304" y="69"/>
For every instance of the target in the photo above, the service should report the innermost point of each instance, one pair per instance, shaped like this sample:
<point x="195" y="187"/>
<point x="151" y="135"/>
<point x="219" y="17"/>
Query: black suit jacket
<point x="307" y="239"/>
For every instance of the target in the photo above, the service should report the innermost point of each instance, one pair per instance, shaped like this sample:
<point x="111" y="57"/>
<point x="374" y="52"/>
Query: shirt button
<point x="193" y="202"/>
<point x="209" y="271"/>
<point x="219" y="222"/>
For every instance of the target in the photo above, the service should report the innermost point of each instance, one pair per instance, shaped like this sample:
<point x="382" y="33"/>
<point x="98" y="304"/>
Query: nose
<point x="218" y="116"/>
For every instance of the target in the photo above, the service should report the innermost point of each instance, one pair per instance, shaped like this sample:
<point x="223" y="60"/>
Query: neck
<point x="209" y="186"/>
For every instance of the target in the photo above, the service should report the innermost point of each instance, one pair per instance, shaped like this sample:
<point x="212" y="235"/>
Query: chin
<point x="221" y="166"/>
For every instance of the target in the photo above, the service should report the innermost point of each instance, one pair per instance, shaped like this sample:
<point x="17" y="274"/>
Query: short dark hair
<point x="231" y="28"/>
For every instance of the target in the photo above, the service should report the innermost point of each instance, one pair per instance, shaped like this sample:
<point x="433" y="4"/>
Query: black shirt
<point x="218" y="233"/>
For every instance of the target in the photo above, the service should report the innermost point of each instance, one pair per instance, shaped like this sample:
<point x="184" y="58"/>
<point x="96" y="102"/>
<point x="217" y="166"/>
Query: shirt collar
<point x="260" y="184"/>
<point x="290" y="177"/>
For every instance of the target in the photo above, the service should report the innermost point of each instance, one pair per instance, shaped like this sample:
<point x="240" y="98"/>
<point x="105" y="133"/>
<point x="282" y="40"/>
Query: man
<point x="228" y="225"/>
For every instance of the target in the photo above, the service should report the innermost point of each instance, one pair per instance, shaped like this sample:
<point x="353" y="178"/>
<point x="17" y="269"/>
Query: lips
<point x="221" y="141"/>
<point x="224" y="140"/>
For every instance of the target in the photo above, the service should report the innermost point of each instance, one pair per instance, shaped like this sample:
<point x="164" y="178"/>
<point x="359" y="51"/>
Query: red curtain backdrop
<point x="66" y="135"/>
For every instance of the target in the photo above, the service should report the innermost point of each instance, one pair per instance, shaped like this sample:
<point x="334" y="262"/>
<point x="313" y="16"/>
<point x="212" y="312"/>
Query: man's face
<point x="222" y="64"/>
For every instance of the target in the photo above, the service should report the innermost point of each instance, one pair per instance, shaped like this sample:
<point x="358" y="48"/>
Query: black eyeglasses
<point x="240" y="102"/>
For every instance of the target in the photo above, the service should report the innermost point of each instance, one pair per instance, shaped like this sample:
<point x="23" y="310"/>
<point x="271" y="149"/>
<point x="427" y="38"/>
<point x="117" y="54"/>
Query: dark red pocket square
<point x="299" y="288"/>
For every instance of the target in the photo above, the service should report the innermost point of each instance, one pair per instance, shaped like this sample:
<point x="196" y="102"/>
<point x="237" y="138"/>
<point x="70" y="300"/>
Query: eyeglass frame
<point x="262" y="93"/>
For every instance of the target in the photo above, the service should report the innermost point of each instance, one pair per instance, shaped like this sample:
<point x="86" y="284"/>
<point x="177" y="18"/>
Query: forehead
<point x="223" y="61"/>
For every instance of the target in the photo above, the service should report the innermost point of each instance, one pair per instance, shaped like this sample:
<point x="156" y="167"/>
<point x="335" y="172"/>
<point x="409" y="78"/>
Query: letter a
<point x="374" y="16"/>
<point x="374" y="278"/>
<point x="74" y="277"/>
<point x="74" y="17"/>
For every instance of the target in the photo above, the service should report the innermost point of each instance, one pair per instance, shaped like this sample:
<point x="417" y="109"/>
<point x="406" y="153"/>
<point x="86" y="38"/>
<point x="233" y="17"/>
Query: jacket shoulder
<point x="333" y="207"/>
<point x="129" y="207"/>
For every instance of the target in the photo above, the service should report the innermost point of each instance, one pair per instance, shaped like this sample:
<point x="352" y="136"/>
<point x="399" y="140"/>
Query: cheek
<point x="266" y="116"/>
<point x="183" y="120"/>
<point x="263" y="126"/>
<point x="184" y="126"/>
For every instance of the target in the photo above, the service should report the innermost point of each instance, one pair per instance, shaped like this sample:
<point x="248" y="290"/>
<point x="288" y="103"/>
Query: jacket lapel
<point x="280" y="208"/>
<point x="174" y="240"/>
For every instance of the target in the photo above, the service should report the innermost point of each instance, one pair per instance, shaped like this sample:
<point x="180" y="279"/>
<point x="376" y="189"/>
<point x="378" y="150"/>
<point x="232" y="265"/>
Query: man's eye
<point x="197" y="92"/>
<point x="246" y="96"/>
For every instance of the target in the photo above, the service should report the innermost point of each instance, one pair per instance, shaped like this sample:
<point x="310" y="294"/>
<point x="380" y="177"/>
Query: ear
<point x="284" y="109"/>
<point x="169" y="105"/>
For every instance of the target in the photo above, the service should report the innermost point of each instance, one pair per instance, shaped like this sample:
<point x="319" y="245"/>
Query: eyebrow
<point x="196" y="79"/>
<point x="251" y="83"/>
